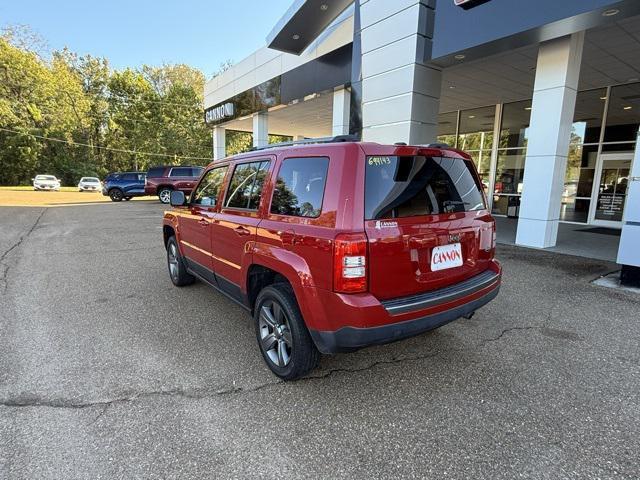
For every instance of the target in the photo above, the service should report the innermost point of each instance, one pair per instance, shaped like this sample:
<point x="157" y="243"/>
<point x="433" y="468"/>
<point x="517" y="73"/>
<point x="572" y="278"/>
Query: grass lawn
<point x="21" y="196"/>
<point x="23" y="188"/>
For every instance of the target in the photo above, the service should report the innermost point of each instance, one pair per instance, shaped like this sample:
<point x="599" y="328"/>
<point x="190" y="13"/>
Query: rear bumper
<point x="413" y="315"/>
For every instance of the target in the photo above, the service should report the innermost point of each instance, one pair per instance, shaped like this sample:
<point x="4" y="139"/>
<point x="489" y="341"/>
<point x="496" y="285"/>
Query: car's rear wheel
<point x="164" y="194"/>
<point x="177" y="269"/>
<point x="116" y="195"/>
<point x="283" y="338"/>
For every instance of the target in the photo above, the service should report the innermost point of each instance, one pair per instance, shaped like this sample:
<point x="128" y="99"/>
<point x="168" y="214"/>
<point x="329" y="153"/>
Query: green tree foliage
<point x="106" y="119"/>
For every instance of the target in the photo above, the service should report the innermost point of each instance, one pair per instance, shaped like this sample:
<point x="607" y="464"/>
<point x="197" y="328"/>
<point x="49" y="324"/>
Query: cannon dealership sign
<point x="220" y="112"/>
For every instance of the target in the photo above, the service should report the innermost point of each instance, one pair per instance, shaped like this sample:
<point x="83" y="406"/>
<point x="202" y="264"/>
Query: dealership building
<point x="543" y="94"/>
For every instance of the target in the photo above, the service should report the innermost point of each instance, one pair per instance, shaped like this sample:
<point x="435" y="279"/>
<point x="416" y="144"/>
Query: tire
<point x="164" y="194"/>
<point x="283" y="338"/>
<point x="177" y="269"/>
<point x="116" y="195"/>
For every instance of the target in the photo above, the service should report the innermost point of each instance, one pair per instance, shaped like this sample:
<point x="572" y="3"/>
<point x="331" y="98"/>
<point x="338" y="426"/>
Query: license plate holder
<point x="445" y="257"/>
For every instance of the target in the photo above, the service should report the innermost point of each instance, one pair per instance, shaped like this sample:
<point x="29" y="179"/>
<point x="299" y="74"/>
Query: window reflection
<point x="587" y="119"/>
<point x="447" y="125"/>
<point x="515" y="124"/>
<point x="623" y="116"/>
<point x="476" y="129"/>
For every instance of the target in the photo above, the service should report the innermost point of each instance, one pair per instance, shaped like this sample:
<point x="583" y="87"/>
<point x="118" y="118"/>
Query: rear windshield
<point x="45" y="177"/>
<point x="399" y="187"/>
<point x="89" y="180"/>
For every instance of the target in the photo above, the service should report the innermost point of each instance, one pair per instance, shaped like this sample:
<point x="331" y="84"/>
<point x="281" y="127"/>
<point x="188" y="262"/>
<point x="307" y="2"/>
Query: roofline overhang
<point x="303" y="22"/>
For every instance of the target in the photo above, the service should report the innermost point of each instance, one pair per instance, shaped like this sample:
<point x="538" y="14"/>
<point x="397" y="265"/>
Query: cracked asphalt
<point x="108" y="371"/>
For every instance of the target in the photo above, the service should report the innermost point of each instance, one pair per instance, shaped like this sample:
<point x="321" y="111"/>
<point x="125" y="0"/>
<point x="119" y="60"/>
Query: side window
<point x="180" y="172"/>
<point x="206" y="194"/>
<point x="141" y="177"/>
<point x="129" y="177"/>
<point x="299" y="188"/>
<point x="196" y="172"/>
<point x="155" y="172"/>
<point x="246" y="185"/>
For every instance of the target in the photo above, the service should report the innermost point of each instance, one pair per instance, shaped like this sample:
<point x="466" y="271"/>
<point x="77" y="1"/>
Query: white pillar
<point x="261" y="129"/>
<point x="400" y="90"/>
<point x="341" y="112"/>
<point x="629" y="253"/>
<point x="554" y="101"/>
<point x="219" y="143"/>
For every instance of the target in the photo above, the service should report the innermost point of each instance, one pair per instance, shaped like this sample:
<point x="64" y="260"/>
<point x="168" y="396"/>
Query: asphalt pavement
<point x="108" y="371"/>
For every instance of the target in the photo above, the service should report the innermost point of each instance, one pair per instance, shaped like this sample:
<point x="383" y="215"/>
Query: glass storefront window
<point x="482" y="159"/>
<point x="476" y="129"/>
<point x="623" y="116"/>
<point x="587" y="119"/>
<point x="515" y="124"/>
<point x="510" y="172"/>
<point x="575" y="209"/>
<point x="447" y="125"/>
<point x="581" y="167"/>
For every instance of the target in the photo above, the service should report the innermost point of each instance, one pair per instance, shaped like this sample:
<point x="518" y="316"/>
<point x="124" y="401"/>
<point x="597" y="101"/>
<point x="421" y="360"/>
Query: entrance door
<point x="611" y="182"/>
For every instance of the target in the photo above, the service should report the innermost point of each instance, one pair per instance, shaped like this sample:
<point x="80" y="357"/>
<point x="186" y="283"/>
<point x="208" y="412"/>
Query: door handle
<point x="242" y="231"/>
<point x="288" y="238"/>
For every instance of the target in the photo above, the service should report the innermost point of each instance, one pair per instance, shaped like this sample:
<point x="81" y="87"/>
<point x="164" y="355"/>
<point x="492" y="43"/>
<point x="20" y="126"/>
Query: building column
<point x="219" y="143"/>
<point x="261" y="129"/>
<point x="628" y="252"/>
<point x="400" y="89"/>
<point x="554" y="101"/>
<point x="341" y="111"/>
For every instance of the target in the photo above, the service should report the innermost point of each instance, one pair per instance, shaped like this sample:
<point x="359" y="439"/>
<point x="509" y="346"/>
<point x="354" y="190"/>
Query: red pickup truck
<point x="162" y="181"/>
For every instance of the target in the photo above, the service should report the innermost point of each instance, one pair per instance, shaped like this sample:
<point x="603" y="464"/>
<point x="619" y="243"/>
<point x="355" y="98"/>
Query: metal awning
<point x="303" y="23"/>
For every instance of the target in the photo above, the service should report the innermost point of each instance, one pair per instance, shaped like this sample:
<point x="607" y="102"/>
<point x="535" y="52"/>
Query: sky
<point x="130" y="33"/>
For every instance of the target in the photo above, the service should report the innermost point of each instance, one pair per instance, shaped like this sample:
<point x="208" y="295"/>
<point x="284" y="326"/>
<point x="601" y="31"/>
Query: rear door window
<point x="410" y="186"/>
<point x="299" y="188"/>
<point x="245" y="188"/>
<point x="129" y="177"/>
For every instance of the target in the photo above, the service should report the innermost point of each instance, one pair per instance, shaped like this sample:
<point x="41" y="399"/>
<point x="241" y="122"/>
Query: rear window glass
<point x="300" y="187"/>
<point x="246" y="185"/>
<point x="129" y="176"/>
<point x="399" y="187"/>
<point x="155" y="172"/>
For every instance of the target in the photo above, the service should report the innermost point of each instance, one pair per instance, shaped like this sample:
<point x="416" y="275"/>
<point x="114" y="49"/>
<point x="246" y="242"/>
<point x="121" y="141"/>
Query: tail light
<point x="350" y="263"/>
<point x="493" y="237"/>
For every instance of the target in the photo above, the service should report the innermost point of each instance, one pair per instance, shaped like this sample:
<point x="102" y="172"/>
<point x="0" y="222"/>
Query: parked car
<point x="46" y="182"/>
<point x="162" y="181"/>
<point x="333" y="247"/>
<point x="124" y="185"/>
<point x="89" y="184"/>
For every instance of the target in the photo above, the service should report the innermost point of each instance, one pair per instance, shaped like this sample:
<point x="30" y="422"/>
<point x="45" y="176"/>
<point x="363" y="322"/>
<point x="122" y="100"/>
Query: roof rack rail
<point x="310" y="141"/>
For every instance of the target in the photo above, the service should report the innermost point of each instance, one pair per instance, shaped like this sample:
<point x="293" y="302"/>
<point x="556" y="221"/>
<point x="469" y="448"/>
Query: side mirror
<point x="178" y="199"/>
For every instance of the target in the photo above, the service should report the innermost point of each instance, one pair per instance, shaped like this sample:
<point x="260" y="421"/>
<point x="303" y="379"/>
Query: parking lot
<point x="108" y="371"/>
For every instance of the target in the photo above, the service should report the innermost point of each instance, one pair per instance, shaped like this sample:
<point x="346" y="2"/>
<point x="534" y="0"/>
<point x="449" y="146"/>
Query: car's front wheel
<point x="177" y="269"/>
<point x="164" y="194"/>
<point x="285" y="343"/>
<point x="116" y="195"/>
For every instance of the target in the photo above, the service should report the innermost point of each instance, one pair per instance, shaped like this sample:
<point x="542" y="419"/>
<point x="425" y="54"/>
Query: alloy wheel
<point x="165" y="196"/>
<point x="172" y="256"/>
<point x="275" y="334"/>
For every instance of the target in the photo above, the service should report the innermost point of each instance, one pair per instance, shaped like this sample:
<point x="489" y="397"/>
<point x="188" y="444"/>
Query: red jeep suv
<point x="162" y="181"/>
<point x="335" y="246"/>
